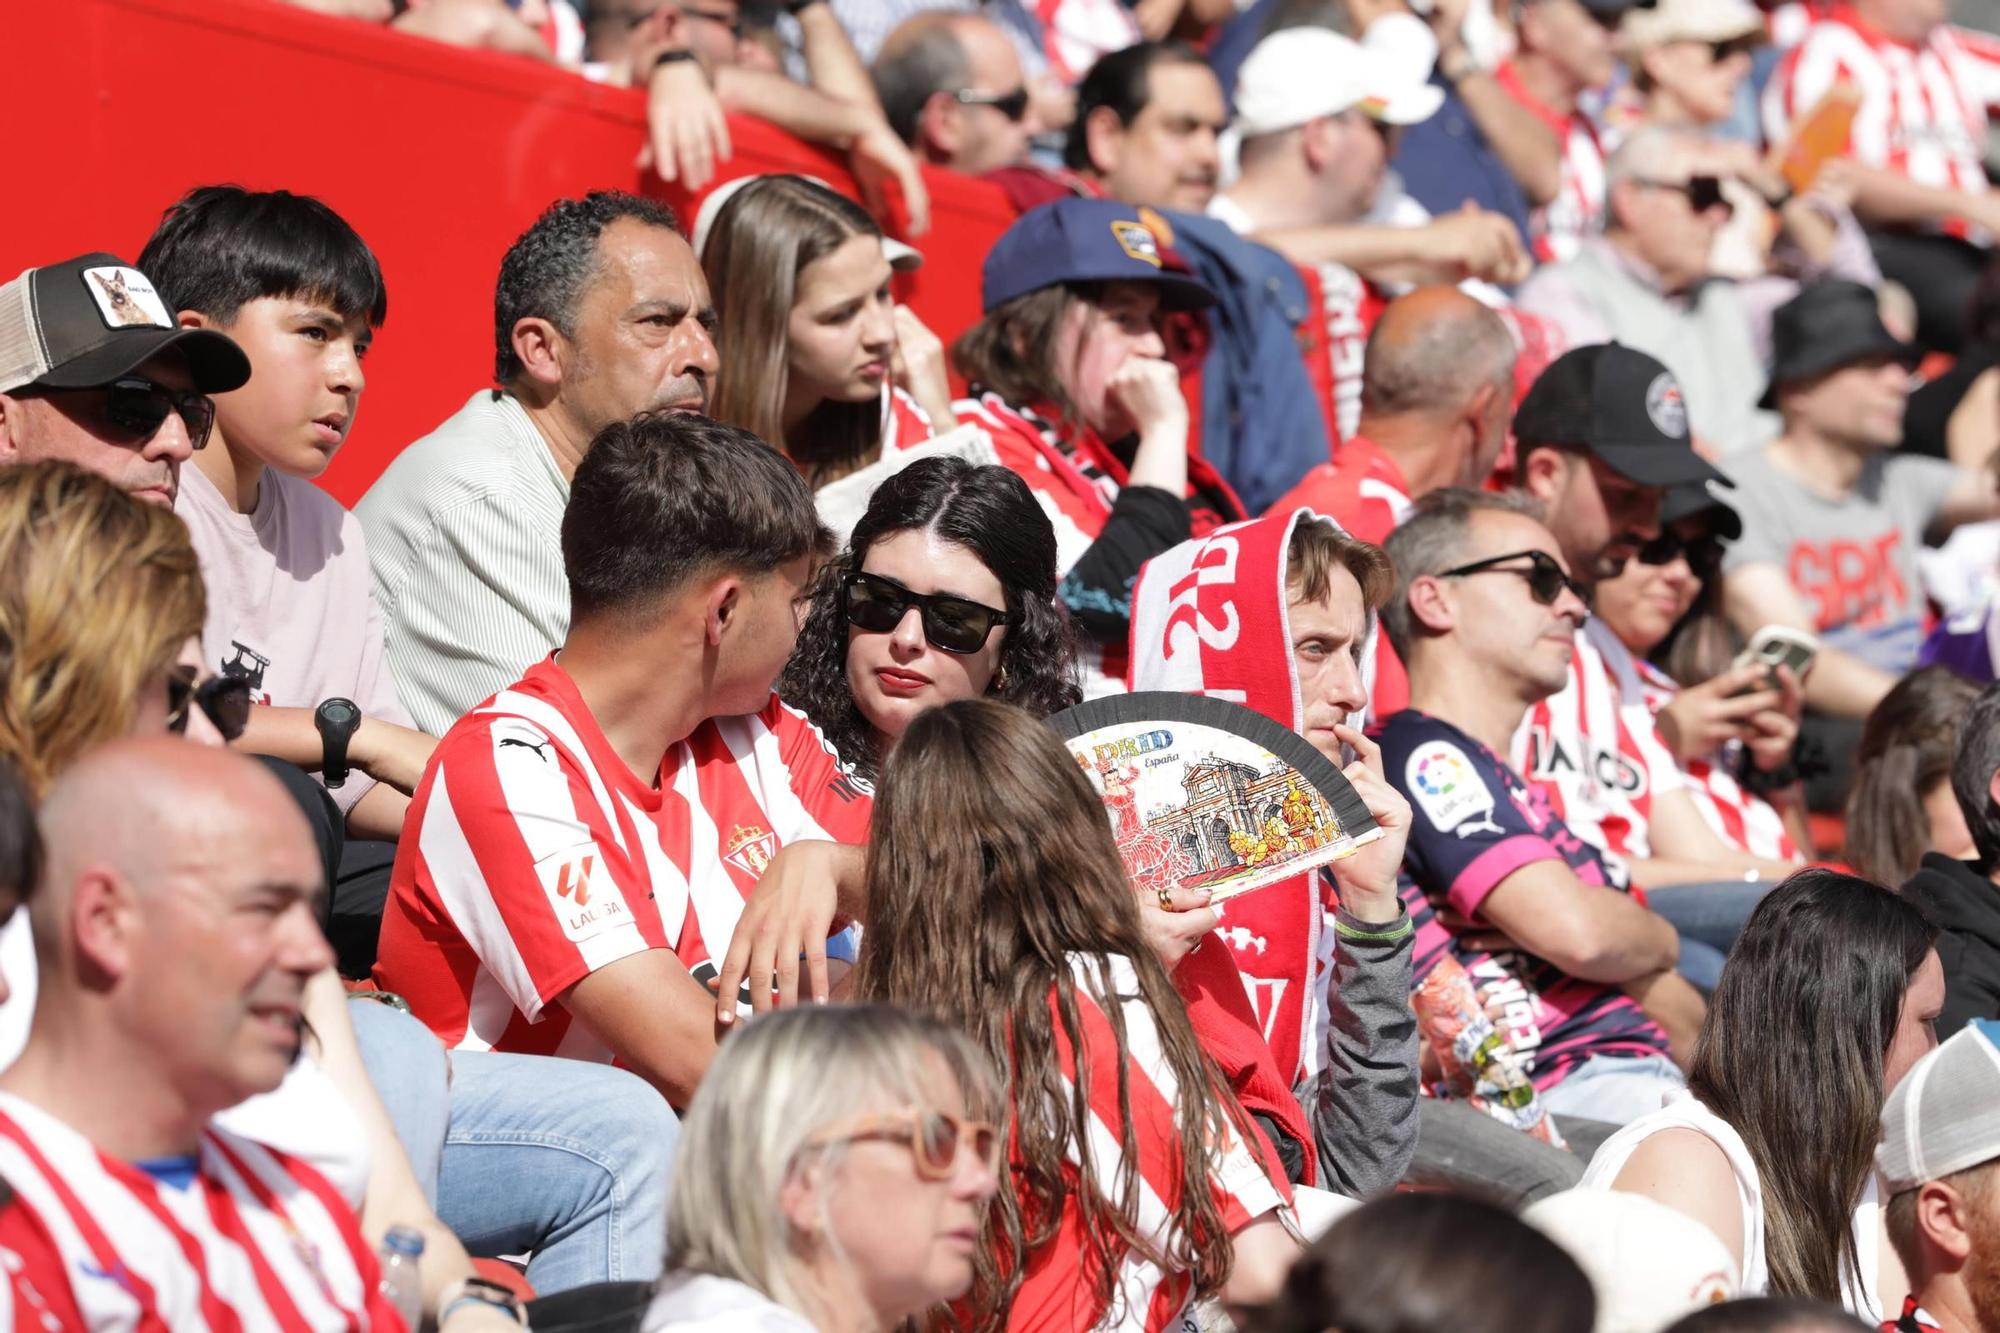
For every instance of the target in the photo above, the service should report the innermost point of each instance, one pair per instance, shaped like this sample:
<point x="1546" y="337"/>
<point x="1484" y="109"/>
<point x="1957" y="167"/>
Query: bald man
<point x="1437" y="388"/>
<point x="174" y="934"/>
<point x="952" y="87"/>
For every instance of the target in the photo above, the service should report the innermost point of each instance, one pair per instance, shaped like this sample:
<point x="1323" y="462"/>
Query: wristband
<point x="797" y="7"/>
<point x="479" y="1291"/>
<point x="336" y="720"/>
<point x="674" y="57"/>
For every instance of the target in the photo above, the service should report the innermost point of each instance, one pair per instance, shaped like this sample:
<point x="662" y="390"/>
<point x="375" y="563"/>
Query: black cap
<point x="1619" y="404"/>
<point x="1829" y="325"/>
<point x="87" y="321"/>
<point x="1691" y="498"/>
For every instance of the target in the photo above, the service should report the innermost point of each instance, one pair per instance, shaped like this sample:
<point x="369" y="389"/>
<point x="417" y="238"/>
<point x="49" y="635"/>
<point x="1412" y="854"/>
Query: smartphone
<point x="1779" y="645"/>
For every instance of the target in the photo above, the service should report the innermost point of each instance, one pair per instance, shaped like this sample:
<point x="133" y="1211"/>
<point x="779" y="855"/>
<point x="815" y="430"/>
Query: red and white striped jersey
<point x="1348" y="306"/>
<point x="1076" y="33"/>
<point x="905" y="424"/>
<point x="1057" y="1288"/>
<point x="1923" y="108"/>
<point x="239" y="1237"/>
<point x="532" y="857"/>
<point x="1593" y="749"/>
<point x="1742" y="819"/>
<point x="1558" y="228"/>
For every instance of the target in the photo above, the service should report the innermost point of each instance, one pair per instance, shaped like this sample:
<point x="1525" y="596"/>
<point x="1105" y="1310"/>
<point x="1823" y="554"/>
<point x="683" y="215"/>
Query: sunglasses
<point x="1703" y="192"/>
<point x="1546" y="580"/>
<point x="130" y="411"/>
<point x="1704" y="554"/>
<point x="1012" y="105"/>
<point x="934" y="1138"/>
<point x="1735" y="46"/>
<point x="225" y="699"/>
<point x="952" y="624"/>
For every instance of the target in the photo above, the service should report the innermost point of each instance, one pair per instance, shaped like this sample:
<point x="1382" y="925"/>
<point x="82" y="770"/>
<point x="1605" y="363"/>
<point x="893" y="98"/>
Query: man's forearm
<point x="806" y="112"/>
<point x="1526" y="146"/>
<point x="1843" y="685"/>
<point x="1891" y="199"/>
<point x="832" y="64"/>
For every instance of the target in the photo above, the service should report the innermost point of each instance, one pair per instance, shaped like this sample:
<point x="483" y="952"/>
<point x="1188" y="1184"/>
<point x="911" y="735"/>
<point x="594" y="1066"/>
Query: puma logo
<point x="506" y="741"/>
<point x="118" y="297"/>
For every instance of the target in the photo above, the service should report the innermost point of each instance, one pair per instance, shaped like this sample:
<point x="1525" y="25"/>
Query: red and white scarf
<point x="1210" y="617"/>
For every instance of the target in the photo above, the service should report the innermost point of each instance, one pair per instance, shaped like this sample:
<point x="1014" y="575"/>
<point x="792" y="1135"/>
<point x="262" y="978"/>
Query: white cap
<point x="1692" y="21"/>
<point x="1301" y="74"/>
<point x="901" y="257"/>
<point x="1649" y="1264"/>
<point x="1945" y="1114"/>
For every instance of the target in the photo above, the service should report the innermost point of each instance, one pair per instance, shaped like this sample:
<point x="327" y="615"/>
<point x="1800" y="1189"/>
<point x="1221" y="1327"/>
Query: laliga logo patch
<point x="1137" y="240"/>
<point x="1665" y="406"/>
<point x="125" y="299"/>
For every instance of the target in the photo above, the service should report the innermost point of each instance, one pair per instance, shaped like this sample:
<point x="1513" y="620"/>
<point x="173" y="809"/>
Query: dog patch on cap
<point x="126" y="299"/>
<point x="1665" y="406"/>
<point x="1137" y="240"/>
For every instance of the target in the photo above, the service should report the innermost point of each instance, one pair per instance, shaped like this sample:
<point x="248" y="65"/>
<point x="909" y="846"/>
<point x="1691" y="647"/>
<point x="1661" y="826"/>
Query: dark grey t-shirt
<point x="1853" y="560"/>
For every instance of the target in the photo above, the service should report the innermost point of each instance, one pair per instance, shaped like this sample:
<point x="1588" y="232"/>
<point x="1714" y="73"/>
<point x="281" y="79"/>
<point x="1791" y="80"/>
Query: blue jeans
<point x="562" y="1160"/>
<point x="1708" y="917"/>
<point x="1614" y="1089"/>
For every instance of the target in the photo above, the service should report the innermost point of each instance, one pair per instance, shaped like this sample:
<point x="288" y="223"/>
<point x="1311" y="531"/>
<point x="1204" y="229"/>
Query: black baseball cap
<point x="1829" y="325"/>
<point x="1620" y="404"/>
<point x="89" y="320"/>
<point x="1693" y="497"/>
<point x="1089" y="240"/>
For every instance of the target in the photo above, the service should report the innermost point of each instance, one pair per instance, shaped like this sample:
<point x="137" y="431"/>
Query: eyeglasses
<point x="1704" y="554"/>
<point x="1546" y="580"/>
<point x="1702" y="192"/>
<point x="225" y="699"/>
<point x="1735" y="46"/>
<point x="933" y="1137"/>
<point x="1012" y="105"/>
<point x="952" y="624"/>
<point x="130" y="411"/>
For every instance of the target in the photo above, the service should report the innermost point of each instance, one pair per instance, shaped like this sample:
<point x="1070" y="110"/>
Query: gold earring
<point x="1000" y="681"/>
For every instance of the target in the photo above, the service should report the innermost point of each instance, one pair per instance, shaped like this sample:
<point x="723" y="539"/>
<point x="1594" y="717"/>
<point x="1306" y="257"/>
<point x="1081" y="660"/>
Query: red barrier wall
<point x="440" y="157"/>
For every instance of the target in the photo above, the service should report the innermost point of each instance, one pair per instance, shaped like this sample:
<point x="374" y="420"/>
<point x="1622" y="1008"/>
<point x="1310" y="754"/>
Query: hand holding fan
<point x="1207" y="794"/>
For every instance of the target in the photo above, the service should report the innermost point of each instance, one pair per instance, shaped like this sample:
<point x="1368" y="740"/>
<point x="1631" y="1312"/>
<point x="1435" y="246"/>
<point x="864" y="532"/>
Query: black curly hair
<point x="989" y="511"/>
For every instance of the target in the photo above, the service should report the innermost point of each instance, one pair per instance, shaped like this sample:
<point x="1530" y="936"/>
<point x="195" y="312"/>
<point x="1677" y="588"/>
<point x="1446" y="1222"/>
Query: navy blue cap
<point x="1088" y="240"/>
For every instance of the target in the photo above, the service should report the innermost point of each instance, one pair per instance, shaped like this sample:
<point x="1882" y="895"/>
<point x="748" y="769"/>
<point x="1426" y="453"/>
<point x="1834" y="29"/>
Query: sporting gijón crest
<point x="750" y="849"/>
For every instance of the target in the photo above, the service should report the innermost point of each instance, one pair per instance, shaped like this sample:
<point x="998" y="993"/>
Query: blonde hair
<point x="775" y="1084"/>
<point x="98" y="593"/>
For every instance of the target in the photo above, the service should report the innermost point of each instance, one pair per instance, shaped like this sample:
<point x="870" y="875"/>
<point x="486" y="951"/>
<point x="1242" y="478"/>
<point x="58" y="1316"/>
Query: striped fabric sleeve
<point x="523" y="857"/>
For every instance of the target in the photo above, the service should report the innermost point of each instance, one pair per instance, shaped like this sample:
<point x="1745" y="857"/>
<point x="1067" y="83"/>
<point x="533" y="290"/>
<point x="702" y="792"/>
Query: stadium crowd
<point x="619" y="875"/>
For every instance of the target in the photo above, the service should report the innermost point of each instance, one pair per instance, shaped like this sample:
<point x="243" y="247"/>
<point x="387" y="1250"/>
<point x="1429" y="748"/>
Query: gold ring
<point x="1166" y="900"/>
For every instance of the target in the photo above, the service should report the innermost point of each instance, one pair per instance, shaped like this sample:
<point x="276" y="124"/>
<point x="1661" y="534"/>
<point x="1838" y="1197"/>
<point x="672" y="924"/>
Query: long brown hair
<point x="98" y="593"/>
<point x="1906" y="750"/>
<point x="1791" y="1056"/>
<point x="1011" y="350"/>
<point x="991" y="874"/>
<point x="762" y="240"/>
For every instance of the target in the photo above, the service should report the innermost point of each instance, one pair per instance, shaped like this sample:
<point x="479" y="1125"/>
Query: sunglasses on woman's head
<point x="952" y="624"/>
<point x="1545" y="577"/>
<point x="1704" y="554"/>
<point x="225" y="699"/>
<point x="933" y="1138"/>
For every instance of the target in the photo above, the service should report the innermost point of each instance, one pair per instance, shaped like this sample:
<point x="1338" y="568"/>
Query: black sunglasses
<point x="131" y="410"/>
<point x="1545" y="577"/>
<point x="1734" y="46"/>
<point x="1703" y="192"/>
<point x="225" y="699"/>
<point x="1012" y="105"/>
<point x="952" y="624"/>
<point x="1704" y="554"/>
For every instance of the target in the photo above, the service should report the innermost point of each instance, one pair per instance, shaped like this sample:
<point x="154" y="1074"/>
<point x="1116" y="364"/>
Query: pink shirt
<point x="289" y="601"/>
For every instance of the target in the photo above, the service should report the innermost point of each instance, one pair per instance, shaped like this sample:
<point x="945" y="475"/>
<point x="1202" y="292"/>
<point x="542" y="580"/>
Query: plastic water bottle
<point x="402" y="1274"/>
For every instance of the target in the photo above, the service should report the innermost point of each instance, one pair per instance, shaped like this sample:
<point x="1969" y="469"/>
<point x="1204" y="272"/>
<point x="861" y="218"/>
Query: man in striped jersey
<point x="580" y="851"/>
<point x="1915" y="148"/>
<point x="175" y="934"/>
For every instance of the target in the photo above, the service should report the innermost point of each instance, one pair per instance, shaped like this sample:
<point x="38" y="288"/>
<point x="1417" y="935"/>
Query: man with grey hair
<point x="1582" y="976"/>
<point x="952" y="88"/>
<point x="1963" y="897"/>
<point x="601" y="312"/>
<point x="1647" y="281"/>
<point x="1940" y="1166"/>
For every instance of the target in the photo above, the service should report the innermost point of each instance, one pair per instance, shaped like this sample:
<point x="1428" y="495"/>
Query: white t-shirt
<point x="700" y="1303"/>
<point x="1683" y="1111"/>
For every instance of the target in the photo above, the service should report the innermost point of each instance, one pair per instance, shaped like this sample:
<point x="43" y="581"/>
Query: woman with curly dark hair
<point x="947" y="590"/>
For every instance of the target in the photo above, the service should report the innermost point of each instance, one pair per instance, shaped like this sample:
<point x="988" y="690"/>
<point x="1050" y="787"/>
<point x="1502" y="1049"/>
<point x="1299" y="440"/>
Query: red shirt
<point x="1558" y="227"/>
<point x="533" y="856"/>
